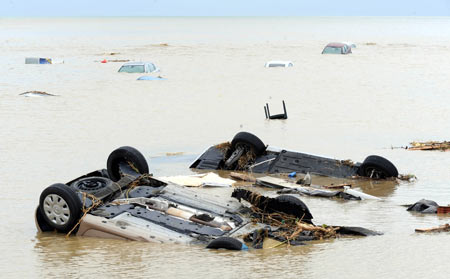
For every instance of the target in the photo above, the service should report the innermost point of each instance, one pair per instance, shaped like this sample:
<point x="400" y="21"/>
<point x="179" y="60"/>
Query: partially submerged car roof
<point x="335" y="44"/>
<point x="136" y="63"/>
<point x="278" y="63"/>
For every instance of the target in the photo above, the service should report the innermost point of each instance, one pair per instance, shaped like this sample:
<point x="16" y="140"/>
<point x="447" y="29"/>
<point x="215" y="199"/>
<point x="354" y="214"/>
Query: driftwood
<point x="430" y="145"/>
<point x="443" y="228"/>
<point x="243" y="177"/>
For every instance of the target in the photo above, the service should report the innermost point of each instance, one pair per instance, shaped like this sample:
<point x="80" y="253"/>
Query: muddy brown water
<point x="392" y="90"/>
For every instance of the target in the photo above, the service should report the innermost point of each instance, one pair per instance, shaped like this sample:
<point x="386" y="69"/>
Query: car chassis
<point x="246" y="152"/>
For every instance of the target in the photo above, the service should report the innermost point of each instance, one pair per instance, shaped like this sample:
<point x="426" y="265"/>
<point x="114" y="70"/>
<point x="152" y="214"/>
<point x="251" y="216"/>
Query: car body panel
<point x="337" y="48"/>
<point x="272" y="64"/>
<point x="282" y="161"/>
<point x="138" y="67"/>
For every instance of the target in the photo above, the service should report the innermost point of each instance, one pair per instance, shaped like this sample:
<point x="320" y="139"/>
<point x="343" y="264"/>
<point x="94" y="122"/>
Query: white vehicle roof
<point x="279" y="62"/>
<point x="136" y="63"/>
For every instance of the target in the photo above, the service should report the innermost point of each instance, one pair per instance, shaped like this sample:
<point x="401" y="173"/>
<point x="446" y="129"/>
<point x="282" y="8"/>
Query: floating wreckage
<point x="209" y="179"/>
<point x="38" y="60"/>
<point x="36" y="94"/>
<point x="112" y="60"/>
<point x="343" y="191"/>
<point x="289" y="222"/>
<point x="275" y="116"/>
<point x="428" y="206"/>
<point x="125" y="202"/>
<point x="443" y="228"/>
<point x="247" y="152"/>
<point x="430" y="145"/>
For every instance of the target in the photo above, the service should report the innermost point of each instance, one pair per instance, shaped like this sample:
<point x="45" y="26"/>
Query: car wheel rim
<point x="56" y="209"/>
<point x="375" y="173"/>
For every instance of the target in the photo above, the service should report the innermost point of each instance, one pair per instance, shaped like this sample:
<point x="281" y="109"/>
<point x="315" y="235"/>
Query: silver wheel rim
<point x="56" y="209"/>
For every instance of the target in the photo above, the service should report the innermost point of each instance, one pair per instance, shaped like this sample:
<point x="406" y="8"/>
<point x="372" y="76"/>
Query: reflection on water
<point x="94" y="257"/>
<point x="392" y="90"/>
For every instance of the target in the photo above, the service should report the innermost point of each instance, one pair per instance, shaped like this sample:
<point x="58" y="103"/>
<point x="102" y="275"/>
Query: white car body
<point x="271" y="64"/>
<point x="138" y="67"/>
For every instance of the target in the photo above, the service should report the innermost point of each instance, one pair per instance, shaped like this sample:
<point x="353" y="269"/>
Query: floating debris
<point x="242" y="176"/>
<point x="174" y="153"/>
<point x="282" y="204"/>
<point x="161" y="45"/>
<point x="407" y="177"/>
<point x="347" y="162"/>
<point x="36" y="94"/>
<point x="337" y="186"/>
<point x="276" y="116"/>
<point x="443" y="228"/>
<point x="424" y="206"/>
<point x="38" y="60"/>
<point x="286" y="229"/>
<point x="429" y="145"/>
<point x="209" y="179"/>
<point x="225" y="146"/>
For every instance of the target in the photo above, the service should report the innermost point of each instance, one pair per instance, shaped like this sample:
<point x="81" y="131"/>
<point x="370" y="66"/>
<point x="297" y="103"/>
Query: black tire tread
<point x="381" y="163"/>
<point x="74" y="203"/>
<point x="225" y="242"/>
<point x="249" y="139"/>
<point x="125" y="153"/>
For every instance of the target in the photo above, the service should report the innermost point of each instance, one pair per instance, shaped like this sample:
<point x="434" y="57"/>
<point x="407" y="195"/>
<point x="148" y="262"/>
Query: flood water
<point x="392" y="90"/>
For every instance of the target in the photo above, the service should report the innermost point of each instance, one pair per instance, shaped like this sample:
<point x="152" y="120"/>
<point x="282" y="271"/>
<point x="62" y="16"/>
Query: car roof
<point x="335" y="45"/>
<point x="136" y="63"/>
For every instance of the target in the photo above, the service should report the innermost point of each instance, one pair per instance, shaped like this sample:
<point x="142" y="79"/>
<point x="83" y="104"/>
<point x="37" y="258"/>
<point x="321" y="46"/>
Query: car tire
<point x="91" y="185"/>
<point x="125" y="154"/>
<point x="377" y="167"/>
<point x="296" y="205"/>
<point x="248" y="140"/>
<point x="228" y="243"/>
<point x="60" y="207"/>
<point x="41" y="223"/>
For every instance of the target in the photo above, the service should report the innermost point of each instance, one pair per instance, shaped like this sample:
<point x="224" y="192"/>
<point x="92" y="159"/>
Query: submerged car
<point x="248" y="153"/>
<point x="350" y="44"/>
<point x="138" y="67"/>
<point x="271" y="64"/>
<point x="125" y="202"/>
<point x="337" y="48"/>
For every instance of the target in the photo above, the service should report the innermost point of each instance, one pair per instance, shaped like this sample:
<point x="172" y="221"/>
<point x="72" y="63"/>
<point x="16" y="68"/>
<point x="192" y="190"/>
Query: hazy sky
<point x="224" y="8"/>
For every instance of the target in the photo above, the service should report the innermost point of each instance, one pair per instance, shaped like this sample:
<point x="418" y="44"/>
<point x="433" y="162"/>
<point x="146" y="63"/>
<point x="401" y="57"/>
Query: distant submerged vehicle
<point x="138" y="67"/>
<point x="271" y="64"/>
<point x="337" y="48"/>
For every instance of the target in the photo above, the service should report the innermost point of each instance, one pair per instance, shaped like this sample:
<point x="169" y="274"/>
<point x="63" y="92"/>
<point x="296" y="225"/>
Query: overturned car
<point x="125" y="202"/>
<point x="247" y="152"/>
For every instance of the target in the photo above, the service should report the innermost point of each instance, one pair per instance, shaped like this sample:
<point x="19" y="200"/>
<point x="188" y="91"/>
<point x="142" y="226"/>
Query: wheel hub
<point x="91" y="185"/>
<point x="56" y="209"/>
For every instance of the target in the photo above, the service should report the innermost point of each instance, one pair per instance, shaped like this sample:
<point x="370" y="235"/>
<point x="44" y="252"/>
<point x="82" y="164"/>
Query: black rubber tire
<point x="42" y="225"/>
<point x="125" y="154"/>
<point x="307" y="217"/>
<point x="380" y="166"/>
<point x="226" y="242"/>
<point x="71" y="201"/>
<point x="249" y="140"/>
<point x="91" y="184"/>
